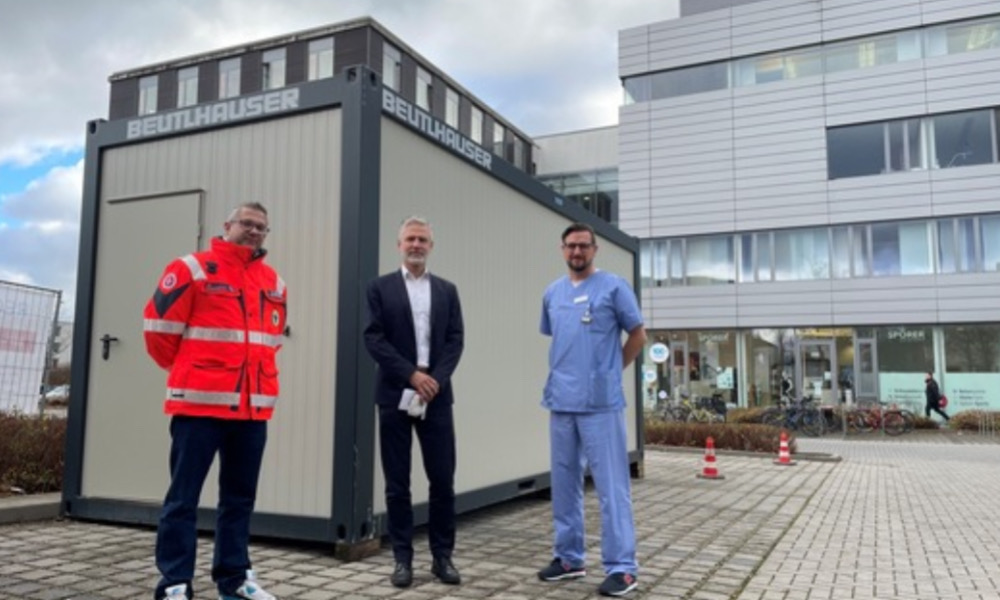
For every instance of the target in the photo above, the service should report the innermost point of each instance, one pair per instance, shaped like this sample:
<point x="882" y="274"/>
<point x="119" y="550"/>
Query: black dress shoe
<point x="402" y="575"/>
<point x="445" y="571"/>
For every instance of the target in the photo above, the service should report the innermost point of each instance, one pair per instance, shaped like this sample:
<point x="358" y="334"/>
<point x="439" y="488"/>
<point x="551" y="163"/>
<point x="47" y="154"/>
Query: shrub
<point x="727" y="436"/>
<point x="922" y="422"/>
<point x="31" y="453"/>
<point x="972" y="420"/>
<point x="745" y="415"/>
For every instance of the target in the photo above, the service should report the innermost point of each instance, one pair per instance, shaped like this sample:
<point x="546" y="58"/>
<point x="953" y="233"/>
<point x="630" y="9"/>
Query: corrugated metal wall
<point x="753" y="158"/>
<point x="292" y="166"/>
<point x="501" y="250"/>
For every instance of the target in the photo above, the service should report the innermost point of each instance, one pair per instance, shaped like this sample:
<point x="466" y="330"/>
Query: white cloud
<point x="40" y="240"/>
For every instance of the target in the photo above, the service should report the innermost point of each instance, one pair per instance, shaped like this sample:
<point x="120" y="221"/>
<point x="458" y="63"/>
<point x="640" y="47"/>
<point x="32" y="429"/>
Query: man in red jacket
<point x="215" y="323"/>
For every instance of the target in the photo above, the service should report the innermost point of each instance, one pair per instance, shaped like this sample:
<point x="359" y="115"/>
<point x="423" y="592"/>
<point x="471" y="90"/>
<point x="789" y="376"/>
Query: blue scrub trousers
<point x="598" y="440"/>
<point x="195" y="441"/>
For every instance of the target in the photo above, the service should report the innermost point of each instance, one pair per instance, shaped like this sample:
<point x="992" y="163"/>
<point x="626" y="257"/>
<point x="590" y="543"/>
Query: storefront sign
<point x="216" y="113"/>
<point x="658" y="353"/>
<point x="972" y="391"/>
<point x="713" y="337"/>
<point x="420" y="120"/>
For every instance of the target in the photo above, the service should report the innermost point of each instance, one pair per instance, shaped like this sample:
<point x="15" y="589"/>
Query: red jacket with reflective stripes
<point x="215" y="322"/>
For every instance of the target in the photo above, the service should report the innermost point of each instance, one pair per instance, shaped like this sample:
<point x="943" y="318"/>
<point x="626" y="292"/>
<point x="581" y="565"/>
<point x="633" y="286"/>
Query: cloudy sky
<point x="547" y="65"/>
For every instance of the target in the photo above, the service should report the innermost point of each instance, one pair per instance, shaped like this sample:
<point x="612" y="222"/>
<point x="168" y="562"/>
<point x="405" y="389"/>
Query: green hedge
<point x="31" y="453"/>
<point x="727" y="436"/>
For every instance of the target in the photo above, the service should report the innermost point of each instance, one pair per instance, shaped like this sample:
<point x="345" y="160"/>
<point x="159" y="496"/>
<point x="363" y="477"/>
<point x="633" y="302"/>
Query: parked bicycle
<point x="797" y="415"/>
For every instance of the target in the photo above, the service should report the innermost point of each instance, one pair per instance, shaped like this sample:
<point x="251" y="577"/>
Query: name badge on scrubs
<point x="585" y="319"/>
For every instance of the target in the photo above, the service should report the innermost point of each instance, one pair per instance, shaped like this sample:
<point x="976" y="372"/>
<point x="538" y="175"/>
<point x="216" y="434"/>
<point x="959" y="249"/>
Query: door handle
<point x="106" y="341"/>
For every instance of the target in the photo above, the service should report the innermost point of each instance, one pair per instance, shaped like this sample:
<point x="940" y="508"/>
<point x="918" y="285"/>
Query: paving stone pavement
<point x="910" y="520"/>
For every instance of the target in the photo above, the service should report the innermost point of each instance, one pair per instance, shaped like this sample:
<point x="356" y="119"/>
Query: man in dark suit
<point x="415" y="334"/>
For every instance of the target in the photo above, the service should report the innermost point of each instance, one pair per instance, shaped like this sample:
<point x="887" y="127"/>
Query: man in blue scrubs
<point x="585" y="314"/>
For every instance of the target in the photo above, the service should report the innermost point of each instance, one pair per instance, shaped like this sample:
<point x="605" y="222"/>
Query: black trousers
<point x="436" y="434"/>
<point x="936" y="408"/>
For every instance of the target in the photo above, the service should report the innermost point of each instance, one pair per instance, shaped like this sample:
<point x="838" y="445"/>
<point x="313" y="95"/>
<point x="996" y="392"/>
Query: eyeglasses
<point x="573" y="246"/>
<point x="251" y="224"/>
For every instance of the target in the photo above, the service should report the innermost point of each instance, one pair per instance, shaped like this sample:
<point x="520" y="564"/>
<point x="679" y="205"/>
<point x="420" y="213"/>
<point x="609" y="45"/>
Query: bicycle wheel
<point x="857" y="420"/>
<point x="893" y="422"/>
<point x="811" y="423"/>
<point x="775" y="418"/>
<point x="910" y="422"/>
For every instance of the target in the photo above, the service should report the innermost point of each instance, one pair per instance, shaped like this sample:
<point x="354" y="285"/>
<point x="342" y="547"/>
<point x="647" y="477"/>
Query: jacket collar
<point x="235" y="252"/>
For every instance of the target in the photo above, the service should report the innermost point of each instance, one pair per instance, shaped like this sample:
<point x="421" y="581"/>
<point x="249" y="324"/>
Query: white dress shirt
<point x="419" y="291"/>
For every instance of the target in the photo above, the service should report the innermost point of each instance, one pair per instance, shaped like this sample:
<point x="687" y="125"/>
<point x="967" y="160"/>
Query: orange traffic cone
<point x="709" y="471"/>
<point x="784" y="456"/>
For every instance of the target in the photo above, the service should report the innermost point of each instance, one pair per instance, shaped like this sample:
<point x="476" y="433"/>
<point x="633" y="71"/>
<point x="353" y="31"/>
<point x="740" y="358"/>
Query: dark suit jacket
<point x="391" y="341"/>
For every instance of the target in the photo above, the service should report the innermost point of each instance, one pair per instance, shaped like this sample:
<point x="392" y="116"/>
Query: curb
<point x="34" y="507"/>
<point x="810" y="456"/>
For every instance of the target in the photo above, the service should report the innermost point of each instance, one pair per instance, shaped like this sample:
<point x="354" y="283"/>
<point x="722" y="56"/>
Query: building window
<point x="801" y="254"/>
<point x="273" y="69"/>
<point x="942" y="141"/>
<point x="187" y="87"/>
<point x="498" y="139"/>
<point x="229" y="78"/>
<point x="451" y="108"/>
<point x="476" y="126"/>
<point x="424" y="89"/>
<point x="320" y="59"/>
<point x="990" y="235"/>
<point x="392" y="62"/>
<point x="778" y="67"/>
<point x="519" y="159"/>
<point x="964" y="138"/>
<point x="958" y="38"/>
<point x="596" y="191"/>
<point x="710" y="260"/>
<point x="901" y="249"/>
<point x="148" y="89"/>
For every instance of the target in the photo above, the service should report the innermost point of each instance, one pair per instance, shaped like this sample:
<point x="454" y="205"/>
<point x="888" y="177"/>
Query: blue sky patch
<point x="14" y="178"/>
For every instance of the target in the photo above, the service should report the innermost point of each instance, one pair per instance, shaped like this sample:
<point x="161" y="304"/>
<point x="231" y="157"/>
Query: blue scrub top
<point x="585" y="358"/>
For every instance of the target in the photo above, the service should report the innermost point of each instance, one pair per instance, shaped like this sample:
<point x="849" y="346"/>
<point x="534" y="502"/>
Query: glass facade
<point x="148" y="90"/>
<point x="832" y="365"/>
<point x="187" y="87"/>
<point x="849" y="55"/>
<point x="273" y="69"/>
<point x="229" y="78"/>
<point x="320" y="59"/>
<point x="596" y="191"/>
<point x="887" y="249"/>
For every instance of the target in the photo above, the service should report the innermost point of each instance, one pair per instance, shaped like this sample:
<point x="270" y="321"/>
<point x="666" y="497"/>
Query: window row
<point x="320" y="65"/>
<point x="950" y="245"/>
<point x="861" y="53"/>
<point x="936" y="142"/>
<point x="596" y="191"/>
<point x="272" y="76"/>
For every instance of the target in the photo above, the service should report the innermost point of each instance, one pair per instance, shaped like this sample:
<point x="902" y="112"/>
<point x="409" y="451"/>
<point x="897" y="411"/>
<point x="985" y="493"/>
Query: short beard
<point x="579" y="269"/>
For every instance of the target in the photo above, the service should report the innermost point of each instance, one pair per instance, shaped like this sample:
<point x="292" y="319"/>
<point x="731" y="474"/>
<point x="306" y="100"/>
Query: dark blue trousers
<point x="195" y="442"/>
<point x="436" y="434"/>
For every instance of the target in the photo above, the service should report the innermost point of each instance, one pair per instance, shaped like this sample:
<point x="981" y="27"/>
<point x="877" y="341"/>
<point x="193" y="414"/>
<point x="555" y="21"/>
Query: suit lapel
<point x="404" y="300"/>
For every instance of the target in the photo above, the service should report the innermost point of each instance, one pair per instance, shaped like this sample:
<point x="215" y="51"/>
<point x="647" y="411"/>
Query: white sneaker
<point x="249" y="590"/>
<point x="176" y="592"/>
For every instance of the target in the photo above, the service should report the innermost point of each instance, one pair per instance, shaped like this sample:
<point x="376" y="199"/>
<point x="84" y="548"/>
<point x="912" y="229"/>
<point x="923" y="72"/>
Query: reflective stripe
<point x="194" y="266"/>
<point x="265" y="339"/>
<point x="212" y="334"/>
<point x="163" y="326"/>
<point x="200" y="397"/>
<point x="262" y="401"/>
<point x="281" y="285"/>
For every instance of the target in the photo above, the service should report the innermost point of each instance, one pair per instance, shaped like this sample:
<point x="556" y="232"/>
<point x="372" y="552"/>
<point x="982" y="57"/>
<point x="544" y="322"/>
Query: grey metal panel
<point x="874" y="94"/>
<point x="963" y="81"/>
<point x="472" y="215"/>
<point x="937" y="11"/>
<point x="773" y="24"/>
<point x="897" y="195"/>
<point x="290" y="165"/>
<point x="633" y="51"/>
<point x="692" y="40"/>
<point x="850" y="18"/>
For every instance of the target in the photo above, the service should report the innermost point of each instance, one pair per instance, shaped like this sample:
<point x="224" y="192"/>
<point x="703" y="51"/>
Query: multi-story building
<point x="817" y="190"/>
<point x="313" y="54"/>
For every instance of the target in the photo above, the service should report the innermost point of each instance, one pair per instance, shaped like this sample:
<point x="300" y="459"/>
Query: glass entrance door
<point x="816" y="370"/>
<point x="866" y="370"/>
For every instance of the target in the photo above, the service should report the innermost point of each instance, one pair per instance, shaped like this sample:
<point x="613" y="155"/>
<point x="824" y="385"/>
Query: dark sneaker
<point x="445" y="571"/>
<point x="402" y="575"/>
<point x="618" y="584"/>
<point x="558" y="570"/>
